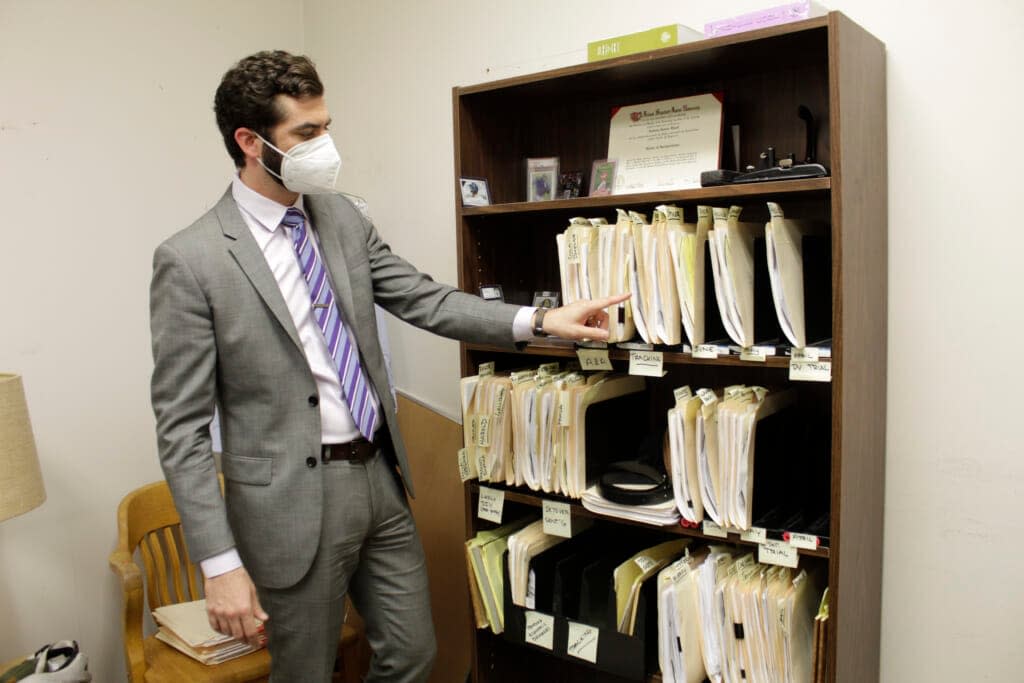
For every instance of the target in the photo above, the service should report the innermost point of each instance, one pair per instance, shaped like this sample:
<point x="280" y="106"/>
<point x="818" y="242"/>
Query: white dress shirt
<point x="263" y="217"/>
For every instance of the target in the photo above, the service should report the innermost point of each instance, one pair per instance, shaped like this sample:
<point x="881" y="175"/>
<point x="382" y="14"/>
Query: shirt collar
<point x="264" y="212"/>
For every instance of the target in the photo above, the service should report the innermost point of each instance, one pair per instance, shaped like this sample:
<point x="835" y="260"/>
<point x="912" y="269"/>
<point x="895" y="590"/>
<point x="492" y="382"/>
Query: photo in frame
<point x="541" y="179"/>
<point x="474" y="192"/>
<point x="602" y="177"/>
<point x="546" y="299"/>
<point x="491" y="293"/>
<point x="570" y="184"/>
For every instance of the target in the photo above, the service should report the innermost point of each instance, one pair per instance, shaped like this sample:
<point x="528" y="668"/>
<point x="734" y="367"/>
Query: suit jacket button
<point x="310" y="462"/>
<point x="314" y="401"/>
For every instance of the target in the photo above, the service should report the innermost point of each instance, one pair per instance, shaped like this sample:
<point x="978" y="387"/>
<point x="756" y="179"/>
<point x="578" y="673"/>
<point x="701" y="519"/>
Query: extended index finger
<point x="609" y="301"/>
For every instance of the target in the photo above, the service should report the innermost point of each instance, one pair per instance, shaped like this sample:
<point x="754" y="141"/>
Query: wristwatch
<point x="538" y="322"/>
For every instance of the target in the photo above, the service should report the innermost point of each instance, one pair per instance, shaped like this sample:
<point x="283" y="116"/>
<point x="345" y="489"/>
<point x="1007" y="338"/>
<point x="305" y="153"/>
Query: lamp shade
<point x="21" y="480"/>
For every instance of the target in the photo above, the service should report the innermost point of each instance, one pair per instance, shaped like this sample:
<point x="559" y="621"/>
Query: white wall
<point x="107" y="146"/>
<point x="107" y="106"/>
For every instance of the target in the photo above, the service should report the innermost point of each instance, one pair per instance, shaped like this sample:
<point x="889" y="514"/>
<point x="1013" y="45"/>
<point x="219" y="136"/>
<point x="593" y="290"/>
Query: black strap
<point x="618" y="482"/>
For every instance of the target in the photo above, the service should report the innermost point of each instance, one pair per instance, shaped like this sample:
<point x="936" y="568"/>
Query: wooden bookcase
<point x="829" y="64"/>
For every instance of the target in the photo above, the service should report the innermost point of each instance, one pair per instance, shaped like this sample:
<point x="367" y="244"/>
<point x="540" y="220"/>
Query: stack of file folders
<point x="728" y="619"/>
<point x="765" y="277"/>
<point x="548" y="429"/>
<point x="485" y="554"/>
<point x="715" y="437"/>
<point x="185" y="627"/>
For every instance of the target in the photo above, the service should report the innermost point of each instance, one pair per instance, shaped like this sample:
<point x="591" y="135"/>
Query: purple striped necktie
<point x="340" y="344"/>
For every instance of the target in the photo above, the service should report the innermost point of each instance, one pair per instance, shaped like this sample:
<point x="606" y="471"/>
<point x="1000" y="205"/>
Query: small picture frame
<point x="474" y="192"/>
<point x="541" y="179"/>
<point x="546" y="299"/>
<point x="491" y="293"/>
<point x="602" y="178"/>
<point x="570" y="184"/>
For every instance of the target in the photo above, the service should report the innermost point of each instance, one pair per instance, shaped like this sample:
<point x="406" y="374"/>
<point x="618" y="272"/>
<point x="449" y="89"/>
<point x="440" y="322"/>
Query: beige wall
<point x="105" y="107"/>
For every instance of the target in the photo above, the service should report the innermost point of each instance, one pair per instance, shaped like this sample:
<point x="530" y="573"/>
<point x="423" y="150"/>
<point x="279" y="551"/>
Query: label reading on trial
<point x="810" y="371"/>
<point x="777" y="552"/>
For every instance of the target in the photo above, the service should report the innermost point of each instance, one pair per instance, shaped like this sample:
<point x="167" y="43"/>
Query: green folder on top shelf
<point x="642" y="41"/>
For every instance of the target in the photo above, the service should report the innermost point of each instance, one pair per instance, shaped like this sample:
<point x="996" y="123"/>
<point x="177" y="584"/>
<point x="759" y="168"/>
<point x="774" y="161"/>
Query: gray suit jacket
<point x="223" y="336"/>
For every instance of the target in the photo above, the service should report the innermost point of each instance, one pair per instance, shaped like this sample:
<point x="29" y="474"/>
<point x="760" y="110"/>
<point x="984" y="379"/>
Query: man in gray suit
<point x="264" y="308"/>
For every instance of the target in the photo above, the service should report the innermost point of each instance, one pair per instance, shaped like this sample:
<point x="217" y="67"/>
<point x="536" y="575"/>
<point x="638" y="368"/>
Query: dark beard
<point x="272" y="160"/>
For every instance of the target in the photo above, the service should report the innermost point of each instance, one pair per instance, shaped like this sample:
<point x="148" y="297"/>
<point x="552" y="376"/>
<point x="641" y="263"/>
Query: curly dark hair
<point x="245" y="96"/>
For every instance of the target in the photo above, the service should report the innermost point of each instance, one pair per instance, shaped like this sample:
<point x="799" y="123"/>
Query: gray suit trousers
<point x="370" y="549"/>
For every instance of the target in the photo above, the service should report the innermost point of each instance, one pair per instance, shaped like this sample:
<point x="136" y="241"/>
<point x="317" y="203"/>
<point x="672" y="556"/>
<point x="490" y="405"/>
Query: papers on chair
<point x="784" y="242"/>
<point x="732" y="261"/>
<point x="659" y="514"/>
<point x="629" y="576"/>
<point x="485" y="552"/>
<point x="185" y="627"/>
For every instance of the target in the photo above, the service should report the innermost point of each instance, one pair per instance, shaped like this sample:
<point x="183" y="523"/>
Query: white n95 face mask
<point x="310" y="167"/>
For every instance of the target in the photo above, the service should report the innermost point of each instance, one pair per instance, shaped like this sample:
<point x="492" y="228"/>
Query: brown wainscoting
<point x="433" y="441"/>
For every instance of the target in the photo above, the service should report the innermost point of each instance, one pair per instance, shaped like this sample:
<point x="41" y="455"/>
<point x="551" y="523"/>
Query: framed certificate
<point x="665" y="145"/>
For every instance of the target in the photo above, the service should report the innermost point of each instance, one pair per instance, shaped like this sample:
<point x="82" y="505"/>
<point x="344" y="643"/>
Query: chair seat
<point x="167" y="665"/>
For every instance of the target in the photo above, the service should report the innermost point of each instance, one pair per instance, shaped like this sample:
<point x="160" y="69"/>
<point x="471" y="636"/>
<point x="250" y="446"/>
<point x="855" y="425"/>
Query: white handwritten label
<point x="803" y="541"/>
<point x="481" y="466"/>
<point x="564" y="412"/>
<point x="810" y="371"/>
<point x="490" y="504"/>
<point x="707" y="396"/>
<point x="500" y="399"/>
<point x="582" y="642"/>
<point x="711" y="529"/>
<point x="754" y="353"/>
<point x="709" y="351"/>
<point x="572" y="248"/>
<point x="594" y="359"/>
<point x="646" y="363"/>
<point x="465" y="471"/>
<point x="682" y="394"/>
<point x="810" y="353"/>
<point x="484" y="436"/>
<point x="557" y="518"/>
<point x="548" y="368"/>
<point x="486" y="369"/>
<point x="645" y="563"/>
<point x="778" y="553"/>
<point x="755" y="534"/>
<point x="540" y="629"/>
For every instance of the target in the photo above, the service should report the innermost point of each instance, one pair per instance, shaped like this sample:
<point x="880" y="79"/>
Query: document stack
<point x="531" y="427"/>
<point x="185" y="627"/>
<point x="756" y="621"/>
<point x="630" y="576"/>
<point x="523" y="546"/>
<point x="487" y="424"/>
<point x="712" y="448"/>
<point x="798" y="254"/>
<point x="595" y="261"/>
<point x="716" y="278"/>
<point x="484" y="555"/>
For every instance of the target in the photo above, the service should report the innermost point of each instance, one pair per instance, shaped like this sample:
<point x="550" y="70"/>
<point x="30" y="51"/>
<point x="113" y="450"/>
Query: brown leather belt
<point x="358" y="449"/>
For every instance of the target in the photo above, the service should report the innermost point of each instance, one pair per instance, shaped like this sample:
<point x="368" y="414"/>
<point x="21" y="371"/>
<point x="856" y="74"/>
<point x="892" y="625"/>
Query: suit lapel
<point x="250" y="259"/>
<point x="334" y="256"/>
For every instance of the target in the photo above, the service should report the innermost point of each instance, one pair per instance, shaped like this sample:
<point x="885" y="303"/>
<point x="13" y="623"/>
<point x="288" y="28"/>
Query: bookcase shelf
<point x="835" y="68"/>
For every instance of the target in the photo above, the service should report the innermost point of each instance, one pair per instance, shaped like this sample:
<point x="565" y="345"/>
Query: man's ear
<point x="249" y="142"/>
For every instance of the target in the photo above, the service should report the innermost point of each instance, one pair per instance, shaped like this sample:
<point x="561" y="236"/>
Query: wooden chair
<point x="147" y="521"/>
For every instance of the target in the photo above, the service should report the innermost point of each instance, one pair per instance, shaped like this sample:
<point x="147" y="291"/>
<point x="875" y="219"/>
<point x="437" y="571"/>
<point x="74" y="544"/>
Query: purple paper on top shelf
<point x="772" y="16"/>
